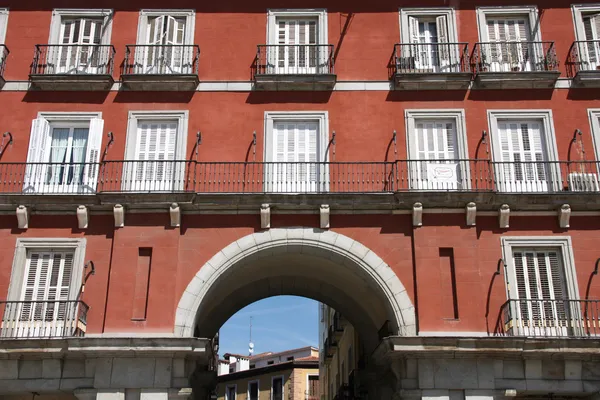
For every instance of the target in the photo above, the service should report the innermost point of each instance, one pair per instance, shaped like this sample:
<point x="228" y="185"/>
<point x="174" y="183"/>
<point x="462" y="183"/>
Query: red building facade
<point x="428" y="169"/>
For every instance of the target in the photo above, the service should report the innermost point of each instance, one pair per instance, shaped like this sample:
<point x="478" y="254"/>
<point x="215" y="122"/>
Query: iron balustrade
<point x="524" y="56"/>
<point x="161" y="59"/>
<point x="549" y="318"/>
<point x="3" y="56"/>
<point x="169" y="176"/>
<point x="546" y="176"/>
<point x="43" y="319"/>
<point x="584" y="56"/>
<point x="55" y="59"/>
<point x="437" y="58"/>
<point x="294" y="59"/>
<point x="49" y="178"/>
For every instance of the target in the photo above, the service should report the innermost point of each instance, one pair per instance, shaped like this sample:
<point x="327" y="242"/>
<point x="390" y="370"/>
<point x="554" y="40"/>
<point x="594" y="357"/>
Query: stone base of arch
<point x="487" y="368"/>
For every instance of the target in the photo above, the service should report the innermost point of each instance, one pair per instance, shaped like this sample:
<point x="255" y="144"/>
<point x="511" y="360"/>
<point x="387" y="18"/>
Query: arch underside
<point x="321" y="265"/>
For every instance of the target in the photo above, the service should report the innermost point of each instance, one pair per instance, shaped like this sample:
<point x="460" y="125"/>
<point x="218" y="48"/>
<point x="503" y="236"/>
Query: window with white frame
<point x="231" y="392"/>
<point x="154" y="151"/>
<point x="429" y="40"/>
<point x="524" y="147"/>
<point x="587" y="34"/>
<point x="540" y="281"/>
<point x="277" y="388"/>
<point x="3" y="24"/>
<point x="510" y="39"/>
<point x="437" y="148"/>
<point x="78" y="42"/>
<point x="165" y="42"/>
<point x="296" y="152"/>
<point x="297" y="40"/>
<point x="44" y="285"/>
<point x="64" y="151"/>
<point x="253" y="390"/>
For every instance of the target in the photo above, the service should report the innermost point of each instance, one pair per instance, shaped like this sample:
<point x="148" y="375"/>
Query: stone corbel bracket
<point x="324" y="212"/>
<point x="175" y="214"/>
<point x="82" y="217"/>
<point x="265" y="216"/>
<point x="471" y="214"/>
<point x="417" y="214"/>
<point x="119" y="213"/>
<point x="23" y="217"/>
<point x="504" y="216"/>
<point x="564" y="216"/>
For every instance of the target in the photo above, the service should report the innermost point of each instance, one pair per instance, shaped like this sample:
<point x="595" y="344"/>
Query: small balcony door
<point x="590" y="50"/>
<point x="510" y="48"/>
<point x="79" y="52"/>
<point x="153" y="167"/>
<point x="43" y="309"/>
<point x="435" y="165"/>
<point x="295" y="167"/>
<point x="523" y="166"/>
<point x="296" y="51"/>
<point x="164" y="51"/>
<point x="539" y="286"/>
<point x="430" y="49"/>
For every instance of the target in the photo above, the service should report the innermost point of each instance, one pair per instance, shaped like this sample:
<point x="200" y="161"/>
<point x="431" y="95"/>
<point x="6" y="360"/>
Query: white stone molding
<point x="564" y="216"/>
<point x="417" y="214"/>
<point x="175" y="214"/>
<point x="471" y="214"/>
<point x="119" y="213"/>
<point x="22" y="217"/>
<point x="324" y="214"/>
<point x="504" y="216"/>
<point x="82" y="217"/>
<point x="265" y="216"/>
<point x="324" y="243"/>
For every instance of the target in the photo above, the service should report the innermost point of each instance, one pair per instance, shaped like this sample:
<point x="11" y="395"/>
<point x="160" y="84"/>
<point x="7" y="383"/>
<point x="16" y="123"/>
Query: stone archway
<point x="323" y="265"/>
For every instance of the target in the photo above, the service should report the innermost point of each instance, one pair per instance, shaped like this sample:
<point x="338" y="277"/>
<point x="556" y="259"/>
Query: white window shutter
<point x="92" y="157"/>
<point x="413" y="27"/>
<point x="441" y="25"/>
<point x="39" y="152"/>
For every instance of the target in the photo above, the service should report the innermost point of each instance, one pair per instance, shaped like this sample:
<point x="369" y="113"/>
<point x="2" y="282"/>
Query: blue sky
<point x="278" y="323"/>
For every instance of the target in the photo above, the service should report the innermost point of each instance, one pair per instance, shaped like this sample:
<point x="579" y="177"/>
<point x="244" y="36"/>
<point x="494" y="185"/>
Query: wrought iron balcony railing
<point x="161" y="59"/>
<point x="294" y="59"/>
<point x="432" y="58"/>
<point x="584" y="56"/>
<point x="64" y="59"/>
<point x="3" y="57"/>
<point x="167" y="176"/>
<point x="514" y="57"/>
<point x="43" y="319"/>
<point x="549" y="318"/>
<point x="546" y="176"/>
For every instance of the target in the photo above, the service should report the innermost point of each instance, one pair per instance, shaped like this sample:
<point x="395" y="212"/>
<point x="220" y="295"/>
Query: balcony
<point x="72" y="67"/>
<point x="329" y="348"/>
<point x="549" y="318"/>
<point x="584" y="63"/>
<point x="190" y="176"/>
<point x="161" y="67"/>
<point x="43" y="319"/>
<point x="421" y="66"/>
<point x="294" y="67"/>
<point x="3" y="57"/>
<point x="515" y="65"/>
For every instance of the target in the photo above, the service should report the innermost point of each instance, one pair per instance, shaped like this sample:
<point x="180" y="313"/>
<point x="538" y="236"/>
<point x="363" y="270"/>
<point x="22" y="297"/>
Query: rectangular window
<point x="539" y="279"/>
<point x="76" y="36"/>
<point x="587" y="33"/>
<point x="429" y="40"/>
<point x="524" y="166"/>
<point x="63" y="154"/>
<point x="277" y="388"/>
<point x="155" y="148"/>
<point x="231" y="392"/>
<point x="165" y="40"/>
<point x="297" y="42"/>
<point x="438" y="156"/>
<point x="270" y="362"/>
<point x="541" y="284"/>
<point x="313" y="387"/>
<point x="253" y="390"/>
<point x="44" y="283"/>
<point x="290" y="358"/>
<point x="295" y="154"/>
